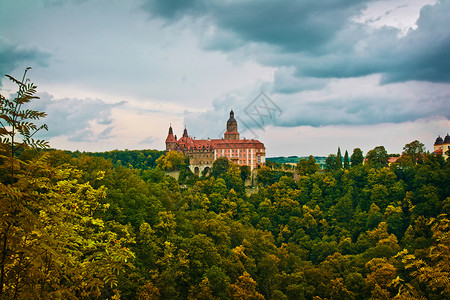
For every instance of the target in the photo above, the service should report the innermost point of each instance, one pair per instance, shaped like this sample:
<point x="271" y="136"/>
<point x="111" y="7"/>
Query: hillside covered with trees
<point x="85" y="227"/>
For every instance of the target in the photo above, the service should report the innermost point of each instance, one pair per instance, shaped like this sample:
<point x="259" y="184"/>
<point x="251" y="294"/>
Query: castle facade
<point x="202" y="153"/>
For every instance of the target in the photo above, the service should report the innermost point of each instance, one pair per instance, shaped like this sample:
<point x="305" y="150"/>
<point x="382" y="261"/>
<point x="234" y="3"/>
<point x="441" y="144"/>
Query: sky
<point x="303" y="77"/>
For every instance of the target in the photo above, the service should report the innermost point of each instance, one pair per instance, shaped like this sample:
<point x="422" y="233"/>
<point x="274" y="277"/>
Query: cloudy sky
<point x="304" y="77"/>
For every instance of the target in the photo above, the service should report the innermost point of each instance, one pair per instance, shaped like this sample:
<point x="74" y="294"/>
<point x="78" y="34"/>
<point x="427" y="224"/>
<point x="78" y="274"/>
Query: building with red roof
<point x="202" y="153"/>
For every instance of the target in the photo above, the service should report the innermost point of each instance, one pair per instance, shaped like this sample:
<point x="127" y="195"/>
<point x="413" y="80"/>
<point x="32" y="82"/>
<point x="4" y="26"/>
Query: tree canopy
<point x="82" y="226"/>
<point x="378" y="157"/>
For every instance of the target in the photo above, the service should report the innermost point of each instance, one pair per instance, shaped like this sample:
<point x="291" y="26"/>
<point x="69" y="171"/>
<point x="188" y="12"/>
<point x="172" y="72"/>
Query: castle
<point x="441" y="146"/>
<point x="202" y="153"/>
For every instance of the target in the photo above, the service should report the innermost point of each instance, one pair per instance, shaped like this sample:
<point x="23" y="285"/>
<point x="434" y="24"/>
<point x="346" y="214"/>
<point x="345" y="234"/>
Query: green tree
<point x="245" y="173"/>
<point x="16" y="132"/>
<point x="244" y="288"/>
<point x="415" y="150"/>
<point x="378" y="157"/>
<point x="171" y="161"/>
<point x="338" y="160"/>
<point x="432" y="271"/>
<point x="265" y="175"/>
<point x="57" y="244"/>
<point x="307" y="166"/>
<point x="346" y="160"/>
<point x="220" y="166"/>
<point x="357" y="157"/>
<point x="16" y="123"/>
<point x="330" y="163"/>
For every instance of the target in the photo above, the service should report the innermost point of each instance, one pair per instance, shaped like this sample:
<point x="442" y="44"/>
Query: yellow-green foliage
<point x="171" y="161"/>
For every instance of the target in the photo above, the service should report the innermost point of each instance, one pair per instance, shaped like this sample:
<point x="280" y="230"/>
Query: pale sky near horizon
<point x="303" y="77"/>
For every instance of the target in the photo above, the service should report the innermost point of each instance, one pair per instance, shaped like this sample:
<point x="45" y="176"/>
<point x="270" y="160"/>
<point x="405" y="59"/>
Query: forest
<point x="83" y="226"/>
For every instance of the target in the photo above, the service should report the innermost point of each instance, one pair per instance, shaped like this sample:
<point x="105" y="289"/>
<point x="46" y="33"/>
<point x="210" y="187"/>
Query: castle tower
<point x="438" y="143"/>
<point x="441" y="146"/>
<point x="231" y="133"/>
<point x="171" y="141"/>
<point x="446" y="146"/>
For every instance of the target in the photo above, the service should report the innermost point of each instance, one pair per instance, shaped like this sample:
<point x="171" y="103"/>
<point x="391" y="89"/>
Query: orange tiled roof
<point x="438" y="151"/>
<point x="189" y="143"/>
<point x="170" y="138"/>
<point x="393" y="159"/>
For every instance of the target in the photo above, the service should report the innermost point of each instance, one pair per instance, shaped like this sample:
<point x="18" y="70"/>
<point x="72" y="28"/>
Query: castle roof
<point x="231" y="119"/>
<point x="210" y="144"/>
<point x="439" y="141"/>
<point x="447" y="139"/>
<point x="170" y="138"/>
<point x="438" y="151"/>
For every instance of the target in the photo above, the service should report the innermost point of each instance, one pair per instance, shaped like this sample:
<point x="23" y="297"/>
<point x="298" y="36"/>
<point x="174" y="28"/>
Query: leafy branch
<point x="16" y="127"/>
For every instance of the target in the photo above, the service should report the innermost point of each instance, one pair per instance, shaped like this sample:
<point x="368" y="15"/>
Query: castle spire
<point x="170" y="140"/>
<point x="232" y="133"/>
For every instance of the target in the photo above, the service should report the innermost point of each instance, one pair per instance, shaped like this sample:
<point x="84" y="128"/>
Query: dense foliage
<point x="81" y="227"/>
<point x="139" y="159"/>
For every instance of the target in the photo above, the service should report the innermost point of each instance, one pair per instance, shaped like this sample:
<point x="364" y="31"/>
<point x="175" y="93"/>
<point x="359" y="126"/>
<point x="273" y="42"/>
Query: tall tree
<point x="346" y="160"/>
<point x="415" y="150"/>
<point x="220" y="166"/>
<point x="378" y="157"/>
<point x="16" y="126"/>
<point x="357" y="157"/>
<point x="330" y="162"/>
<point x="307" y="166"/>
<point x="245" y="173"/>
<point x="338" y="160"/>
<point x="16" y="132"/>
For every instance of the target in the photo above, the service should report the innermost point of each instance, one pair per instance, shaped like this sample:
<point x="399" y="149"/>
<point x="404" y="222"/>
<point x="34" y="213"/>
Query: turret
<point x="447" y="139"/>
<point x="439" y="141"/>
<point x="170" y="140"/>
<point x="232" y="133"/>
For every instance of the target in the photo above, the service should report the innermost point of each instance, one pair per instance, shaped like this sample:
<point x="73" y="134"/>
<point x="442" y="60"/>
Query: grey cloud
<point x="172" y="9"/>
<point x="292" y="26"/>
<point x="320" y="38"/>
<point x="73" y="117"/>
<point x="334" y="104"/>
<point x="362" y="110"/>
<point x="285" y="82"/>
<point x="424" y="54"/>
<point x="13" y="55"/>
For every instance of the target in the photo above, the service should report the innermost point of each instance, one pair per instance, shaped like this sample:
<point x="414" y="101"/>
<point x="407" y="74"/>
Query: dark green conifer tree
<point x="338" y="160"/>
<point x="357" y="157"/>
<point x="346" y="160"/>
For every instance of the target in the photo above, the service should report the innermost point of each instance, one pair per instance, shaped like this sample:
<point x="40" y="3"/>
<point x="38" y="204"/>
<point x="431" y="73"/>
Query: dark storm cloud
<point x="73" y="117"/>
<point x="14" y="55"/>
<point x="172" y="9"/>
<point x="291" y="26"/>
<point x="424" y="54"/>
<point x="320" y="38"/>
